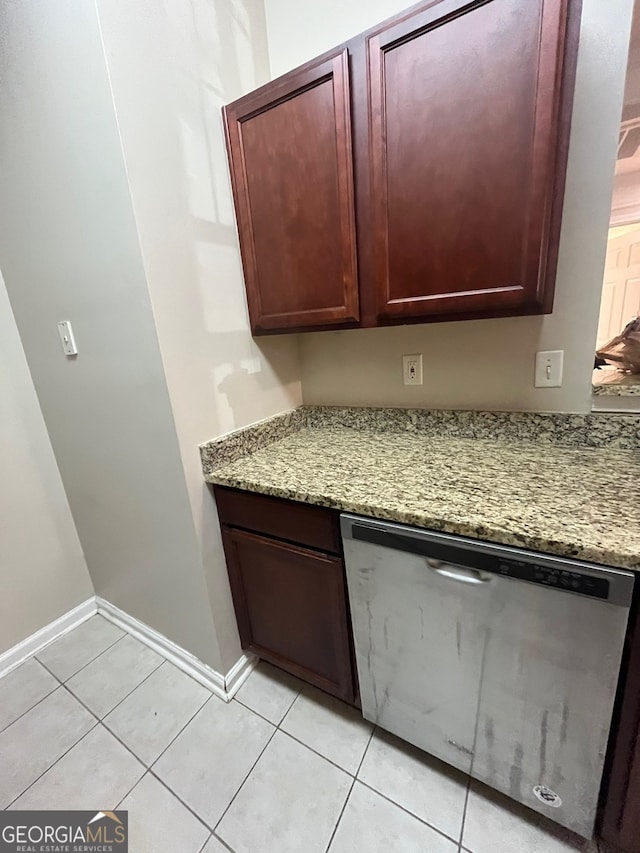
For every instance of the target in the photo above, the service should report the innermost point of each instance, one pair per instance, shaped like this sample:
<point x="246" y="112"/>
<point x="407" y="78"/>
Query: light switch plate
<point x="549" y="365"/>
<point x="66" y="336"/>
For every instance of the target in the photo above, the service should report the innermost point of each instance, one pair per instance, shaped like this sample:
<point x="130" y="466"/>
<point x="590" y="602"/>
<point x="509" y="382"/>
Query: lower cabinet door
<point x="291" y="608"/>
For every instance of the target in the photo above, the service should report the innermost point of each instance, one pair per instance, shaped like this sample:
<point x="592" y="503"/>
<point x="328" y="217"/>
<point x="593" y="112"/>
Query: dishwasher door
<point x="489" y="659"/>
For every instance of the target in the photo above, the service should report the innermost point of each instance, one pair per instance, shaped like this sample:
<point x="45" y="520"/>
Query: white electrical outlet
<point x="549" y="369"/>
<point x="412" y="369"/>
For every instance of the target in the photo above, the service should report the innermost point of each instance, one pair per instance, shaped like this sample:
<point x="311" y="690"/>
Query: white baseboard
<point x="224" y="686"/>
<point x="239" y="673"/>
<point x="17" y="654"/>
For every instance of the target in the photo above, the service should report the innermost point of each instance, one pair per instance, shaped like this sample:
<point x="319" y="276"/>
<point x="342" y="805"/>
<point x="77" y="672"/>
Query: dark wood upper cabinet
<point x="454" y="119"/>
<point x="289" y="145"/>
<point x="463" y="142"/>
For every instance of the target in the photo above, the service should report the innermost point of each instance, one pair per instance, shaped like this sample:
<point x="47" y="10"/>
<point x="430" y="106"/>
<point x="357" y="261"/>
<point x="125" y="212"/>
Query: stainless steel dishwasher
<point x="499" y="661"/>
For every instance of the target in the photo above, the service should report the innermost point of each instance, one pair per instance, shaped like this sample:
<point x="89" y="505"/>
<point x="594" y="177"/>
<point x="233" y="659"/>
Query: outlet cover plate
<point x="412" y="369"/>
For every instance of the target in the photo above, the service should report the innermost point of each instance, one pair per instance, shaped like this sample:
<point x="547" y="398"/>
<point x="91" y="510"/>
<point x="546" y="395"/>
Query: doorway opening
<point x="617" y="369"/>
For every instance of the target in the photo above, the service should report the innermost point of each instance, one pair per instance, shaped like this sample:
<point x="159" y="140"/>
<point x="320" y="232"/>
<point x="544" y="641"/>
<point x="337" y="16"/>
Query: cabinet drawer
<point x="292" y="609"/>
<point x="312" y="526"/>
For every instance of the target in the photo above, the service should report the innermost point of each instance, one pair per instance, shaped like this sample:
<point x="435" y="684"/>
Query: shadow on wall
<point x="247" y="378"/>
<point x="219" y="53"/>
<point x="173" y="64"/>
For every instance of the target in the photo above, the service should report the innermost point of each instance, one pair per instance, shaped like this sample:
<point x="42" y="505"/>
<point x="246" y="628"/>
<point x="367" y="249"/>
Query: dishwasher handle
<point x="440" y="560"/>
<point x="462" y="574"/>
<point x="472" y="561"/>
<point x="437" y="556"/>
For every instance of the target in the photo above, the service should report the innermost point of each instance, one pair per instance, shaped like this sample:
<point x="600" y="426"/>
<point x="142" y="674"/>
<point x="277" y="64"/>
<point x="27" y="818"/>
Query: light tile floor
<point x="99" y="721"/>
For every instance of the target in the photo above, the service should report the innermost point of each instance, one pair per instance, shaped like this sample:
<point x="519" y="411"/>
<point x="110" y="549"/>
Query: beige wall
<point x="299" y="31"/>
<point x="69" y="250"/>
<point x="118" y="216"/>
<point x="489" y="363"/>
<point x="42" y="567"/>
<point x="172" y="65"/>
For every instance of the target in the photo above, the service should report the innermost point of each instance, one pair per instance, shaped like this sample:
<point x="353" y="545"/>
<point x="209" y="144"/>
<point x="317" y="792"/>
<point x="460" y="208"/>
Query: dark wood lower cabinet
<point x="620" y="813"/>
<point x="290" y="598"/>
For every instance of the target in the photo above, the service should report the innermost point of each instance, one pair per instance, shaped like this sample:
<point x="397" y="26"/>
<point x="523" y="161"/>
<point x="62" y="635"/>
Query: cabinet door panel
<point x="291" y="607"/>
<point x="463" y="133"/>
<point x="291" y="162"/>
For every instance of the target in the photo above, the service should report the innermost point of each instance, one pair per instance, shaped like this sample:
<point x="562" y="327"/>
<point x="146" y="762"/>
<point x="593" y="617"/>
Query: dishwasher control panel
<point x="555" y="577"/>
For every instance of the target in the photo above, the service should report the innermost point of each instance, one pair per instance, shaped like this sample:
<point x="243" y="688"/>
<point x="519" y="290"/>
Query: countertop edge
<point x="486" y="532"/>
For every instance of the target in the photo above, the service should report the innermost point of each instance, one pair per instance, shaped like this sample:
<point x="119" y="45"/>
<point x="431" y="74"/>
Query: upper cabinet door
<point x="289" y="147"/>
<point x="467" y="149"/>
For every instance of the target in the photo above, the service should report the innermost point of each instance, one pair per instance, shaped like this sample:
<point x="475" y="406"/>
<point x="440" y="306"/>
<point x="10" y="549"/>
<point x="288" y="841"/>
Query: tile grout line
<point x="205" y="844"/>
<point x="179" y="799"/>
<point x="60" y="682"/>
<point x="35" y="705"/>
<point x="125" y="634"/>
<point x="242" y="784"/>
<point x="124" y="698"/>
<point x="93" y="713"/>
<point x="149" y="768"/>
<point x="84" y="665"/>
<point x="302" y="743"/>
<point x="190" y="720"/>
<point x="344" y="805"/>
<point x="62" y="685"/>
<point x="223" y="842"/>
<point x="100" y="721"/>
<point x="135" y="784"/>
<point x="417" y="817"/>
<point x="219" y="840"/>
<point x="149" y="772"/>
<point x="351" y="787"/>
<point x="353" y="776"/>
<point x="96" y="658"/>
<point x="258" y="714"/>
<point x="319" y="754"/>
<point x="276" y="728"/>
<point x="277" y="725"/>
<point x="464" y="813"/>
<point x="53" y="764"/>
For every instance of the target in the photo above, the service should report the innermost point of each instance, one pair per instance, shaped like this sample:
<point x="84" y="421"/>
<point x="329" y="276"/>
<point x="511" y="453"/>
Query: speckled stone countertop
<point x="533" y="481"/>
<point x="615" y="384"/>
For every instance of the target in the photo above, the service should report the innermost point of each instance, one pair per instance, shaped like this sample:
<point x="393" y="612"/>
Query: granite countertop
<point x="615" y="384"/>
<point x="517" y="480"/>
